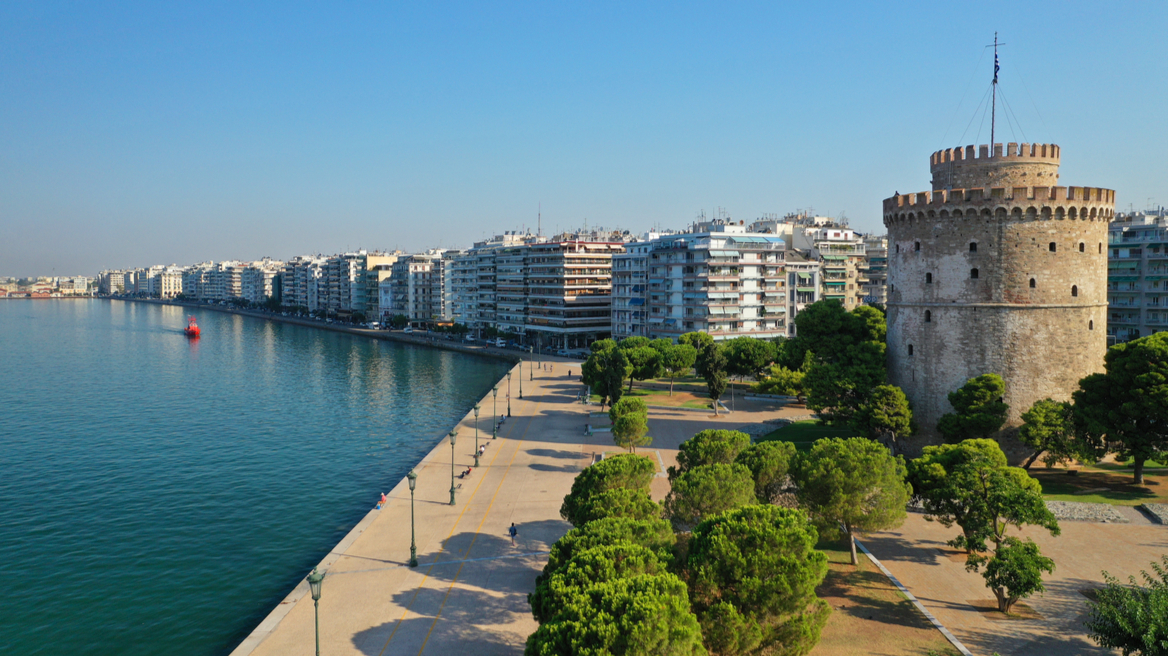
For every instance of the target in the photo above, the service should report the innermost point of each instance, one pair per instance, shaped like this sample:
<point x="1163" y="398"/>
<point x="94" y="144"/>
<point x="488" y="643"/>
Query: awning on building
<point x="636" y="301"/>
<point x="724" y="254"/>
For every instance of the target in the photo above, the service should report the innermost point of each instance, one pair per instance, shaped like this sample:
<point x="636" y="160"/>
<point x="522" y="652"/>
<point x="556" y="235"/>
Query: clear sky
<point x="138" y="134"/>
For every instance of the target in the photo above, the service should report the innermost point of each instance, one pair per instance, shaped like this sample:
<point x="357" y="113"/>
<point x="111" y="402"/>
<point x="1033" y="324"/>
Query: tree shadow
<point x="555" y="468"/>
<point x="892" y="548"/>
<point x="556" y="453"/>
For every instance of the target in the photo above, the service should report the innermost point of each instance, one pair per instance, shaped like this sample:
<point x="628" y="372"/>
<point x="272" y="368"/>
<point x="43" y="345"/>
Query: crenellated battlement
<point x="1002" y="195"/>
<point x="1012" y="152"/>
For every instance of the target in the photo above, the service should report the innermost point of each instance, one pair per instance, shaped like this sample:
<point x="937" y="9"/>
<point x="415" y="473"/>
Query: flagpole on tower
<point x="994" y="96"/>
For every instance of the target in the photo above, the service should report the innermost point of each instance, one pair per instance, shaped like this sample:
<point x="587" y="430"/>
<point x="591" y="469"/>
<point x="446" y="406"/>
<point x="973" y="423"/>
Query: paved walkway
<point x="916" y="554"/>
<point x="469" y="593"/>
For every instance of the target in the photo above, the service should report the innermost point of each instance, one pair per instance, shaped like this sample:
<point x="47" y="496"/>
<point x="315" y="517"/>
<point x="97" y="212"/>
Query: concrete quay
<point x="469" y="591"/>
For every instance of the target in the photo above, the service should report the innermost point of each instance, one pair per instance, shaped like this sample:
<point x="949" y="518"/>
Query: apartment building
<point x="378" y="267"/>
<point x="1137" y="275"/>
<point x="569" y="289"/>
<point x="416" y="289"/>
<point x="260" y="281"/>
<point x="301" y="282"/>
<point x="842" y="255"/>
<point x="630" y="282"/>
<point x="875" y="270"/>
<point x="803" y="282"/>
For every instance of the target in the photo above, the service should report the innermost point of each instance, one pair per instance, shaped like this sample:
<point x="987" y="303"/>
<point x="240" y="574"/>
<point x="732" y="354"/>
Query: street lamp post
<point x="413" y="479"/>
<point x="521" y="378"/>
<point x="508" y="393"/>
<point x="476" y="435"/>
<point x="495" y="412"/>
<point x="531" y="361"/>
<point x="453" y="437"/>
<point x="314" y="581"/>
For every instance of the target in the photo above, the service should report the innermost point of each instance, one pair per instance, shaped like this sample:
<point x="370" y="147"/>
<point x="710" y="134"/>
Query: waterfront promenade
<point x="468" y="594"/>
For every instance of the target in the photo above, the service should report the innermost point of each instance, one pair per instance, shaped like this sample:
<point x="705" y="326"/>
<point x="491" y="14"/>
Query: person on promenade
<point x="482" y="450"/>
<point x="381" y="504"/>
<point x="513" y="531"/>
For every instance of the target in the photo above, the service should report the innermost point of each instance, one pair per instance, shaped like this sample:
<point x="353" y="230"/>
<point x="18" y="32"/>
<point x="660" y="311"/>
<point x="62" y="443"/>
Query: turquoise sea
<point x="160" y="495"/>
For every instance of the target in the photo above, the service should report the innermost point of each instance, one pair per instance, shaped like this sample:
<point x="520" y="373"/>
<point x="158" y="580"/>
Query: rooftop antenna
<point x="994" y="94"/>
<point x="539" y="221"/>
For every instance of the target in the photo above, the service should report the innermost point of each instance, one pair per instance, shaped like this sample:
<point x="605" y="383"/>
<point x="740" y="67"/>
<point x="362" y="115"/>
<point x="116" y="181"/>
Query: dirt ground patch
<point x="869" y="615"/>
<point x="1020" y="611"/>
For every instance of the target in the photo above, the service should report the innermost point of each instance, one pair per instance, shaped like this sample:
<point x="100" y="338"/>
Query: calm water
<point x="161" y="496"/>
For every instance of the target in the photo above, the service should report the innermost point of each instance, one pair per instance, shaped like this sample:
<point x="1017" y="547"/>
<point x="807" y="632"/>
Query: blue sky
<point x="134" y="134"/>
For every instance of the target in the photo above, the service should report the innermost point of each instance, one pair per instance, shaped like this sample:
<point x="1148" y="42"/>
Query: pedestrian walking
<point x="482" y="449"/>
<point x="513" y="531"/>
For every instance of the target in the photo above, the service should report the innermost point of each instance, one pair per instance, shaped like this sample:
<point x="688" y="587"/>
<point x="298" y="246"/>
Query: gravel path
<point x="1158" y="511"/>
<point x="1076" y="511"/>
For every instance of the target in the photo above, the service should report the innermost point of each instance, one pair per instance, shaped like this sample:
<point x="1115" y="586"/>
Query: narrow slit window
<point x="1082" y="247"/>
<point x="1091" y="325"/>
<point x="910" y="350"/>
<point x="1053" y="247"/>
<point x="928" y="278"/>
<point x="973" y="247"/>
<point x="928" y="316"/>
<point x="973" y="274"/>
<point x="1074" y="290"/>
<point x="1033" y="283"/>
<point x="916" y="245"/>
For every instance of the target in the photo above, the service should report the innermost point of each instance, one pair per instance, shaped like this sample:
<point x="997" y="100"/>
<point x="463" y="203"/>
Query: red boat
<point x="192" y="329"/>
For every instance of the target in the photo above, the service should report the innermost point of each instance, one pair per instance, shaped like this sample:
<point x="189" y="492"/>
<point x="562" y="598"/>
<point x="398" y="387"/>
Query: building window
<point x="1091" y="325"/>
<point x="1100" y="247"/>
<point x="1082" y="247"/>
<point x="1074" y="290"/>
<point x="916" y="245"/>
<point x="973" y="247"/>
<point x="928" y="278"/>
<point x="973" y="274"/>
<point x="928" y="316"/>
<point x="1053" y="247"/>
<point x="1033" y="283"/>
<point x="910" y="350"/>
<point x="898" y="248"/>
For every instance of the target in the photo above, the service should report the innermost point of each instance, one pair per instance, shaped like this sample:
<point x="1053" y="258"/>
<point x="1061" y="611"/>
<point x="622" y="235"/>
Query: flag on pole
<point x="996" y="67"/>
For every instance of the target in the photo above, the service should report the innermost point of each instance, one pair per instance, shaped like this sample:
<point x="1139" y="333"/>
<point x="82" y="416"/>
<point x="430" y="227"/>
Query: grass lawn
<point x="662" y="398"/>
<point x="1057" y="485"/>
<point x="803" y="433"/>
<point x="1125" y="466"/>
<point x="869" y="615"/>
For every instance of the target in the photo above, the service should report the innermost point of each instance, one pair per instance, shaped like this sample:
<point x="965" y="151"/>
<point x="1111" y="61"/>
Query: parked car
<point x="500" y="343"/>
<point x="408" y="329"/>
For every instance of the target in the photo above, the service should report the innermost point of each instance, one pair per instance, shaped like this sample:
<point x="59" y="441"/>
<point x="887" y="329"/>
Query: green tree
<point x="1133" y="618"/>
<point x="854" y="484"/>
<point x="1048" y="427"/>
<point x="782" y="381"/>
<point x="698" y="340"/>
<point x="970" y="485"/>
<point x="747" y="356"/>
<point x="707" y="490"/>
<point x="595" y="565"/>
<point x="634" y="342"/>
<point x="645" y="362"/>
<point x="630" y="431"/>
<point x="678" y="359"/>
<point x="399" y="321"/>
<point x="604" y="371"/>
<point x="627" y="405"/>
<point x="752" y="576"/>
<point x="885" y="415"/>
<point x="619" y="502"/>
<point x="837" y="389"/>
<point x="979" y="409"/>
<point x="829" y="330"/>
<point x="624" y="470"/>
<point x="711" y="365"/>
<point x="769" y="464"/>
<point x="656" y="535"/>
<point x="1125" y="409"/>
<point x="1015" y="571"/>
<point x="709" y="447"/>
<point x="643" y="615"/>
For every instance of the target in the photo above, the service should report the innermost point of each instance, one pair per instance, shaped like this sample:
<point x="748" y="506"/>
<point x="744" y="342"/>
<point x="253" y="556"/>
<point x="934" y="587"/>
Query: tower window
<point x="1091" y="325"/>
<point x="1074" y="290"/>
<point x="1033" y="283"/>
<point x="898" y="248"/>
<point x="910" y="350"/>
<point x="1053" y="247"/>
<point x="973" y="274"/>
<point x="916" y="245"/>
<point x="1082" y="247"/>
<point x="973" y="247"/>
<point x="928" y="278"/>
<point x="928" y="316"/>
<point x="1100" y="247"/>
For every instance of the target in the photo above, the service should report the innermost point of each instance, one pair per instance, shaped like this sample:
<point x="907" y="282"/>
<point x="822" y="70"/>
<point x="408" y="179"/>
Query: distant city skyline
<point x="149" y="134"/>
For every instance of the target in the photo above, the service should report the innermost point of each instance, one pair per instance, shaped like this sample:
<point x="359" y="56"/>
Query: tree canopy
<point x="656" y="535"/>
<point x="848" y="359"/>
<point x="709" y="447"/>
<point x="594" y="565"/>
<point x="624" y="470"/>
<point x="1048" y="427"/>
<point x="851" y="483"/>
<point x="979" y="410"/>
<point x="605" y="370"/>
<point x="752" y="576"/>
<point x="1133" y="617"/>
<point x="645" y="362"/>
<point x="1126" y="408"/>
<point x="1015" y="571"/>
<point x="678" y="359"/>
<point x="711" y="365"/>
<point x="769" y="464"/>
<point x="885" y="414"/>
<point x="748" y="356"/>
<point x="642" y="615"/>
<point x="706" y="490"/>
<point x="618" y="502"/>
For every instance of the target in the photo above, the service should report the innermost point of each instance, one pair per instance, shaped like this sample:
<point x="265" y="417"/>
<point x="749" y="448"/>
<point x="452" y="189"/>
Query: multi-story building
<point x="378" y="267"/>
<point x="803" y="285"/>
<point x="569" y="289"/>
<point x="630" y="284"/>
<point x="463" y="283"/>
<point x="875" y="270"/>
<point x="1137" y="275"/>
<point x="196" y="279"/>
<point x="416" y="289"/>
<point x="841" y="253"/>
<point x="260" y="280"/>
<point x="301" y="281"/>
<point x="112" y="281"/>
<point x="170" y="282"/>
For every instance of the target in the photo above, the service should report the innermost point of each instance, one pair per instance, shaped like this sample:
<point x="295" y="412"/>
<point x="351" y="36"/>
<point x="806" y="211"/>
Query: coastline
<point x="386" y="335"/>
<point x="272" y="620"/>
